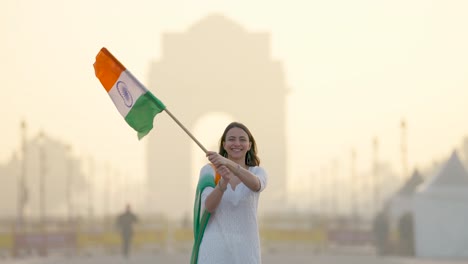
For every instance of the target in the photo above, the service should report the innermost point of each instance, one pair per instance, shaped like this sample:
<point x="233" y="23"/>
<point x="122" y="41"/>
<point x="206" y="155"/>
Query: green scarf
<point x="199" y="224"/>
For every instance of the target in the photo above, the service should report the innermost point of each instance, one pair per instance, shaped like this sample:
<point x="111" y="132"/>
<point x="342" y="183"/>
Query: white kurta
<point x="231" y="235"/>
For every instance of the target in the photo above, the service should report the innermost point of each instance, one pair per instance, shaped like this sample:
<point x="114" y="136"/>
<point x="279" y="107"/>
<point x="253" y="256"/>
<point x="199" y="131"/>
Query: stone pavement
<point x="268" y="258"/>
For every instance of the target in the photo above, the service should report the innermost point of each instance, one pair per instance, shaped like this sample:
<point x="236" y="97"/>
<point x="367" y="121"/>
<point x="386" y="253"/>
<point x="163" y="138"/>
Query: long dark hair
<point x="251" y="158"/>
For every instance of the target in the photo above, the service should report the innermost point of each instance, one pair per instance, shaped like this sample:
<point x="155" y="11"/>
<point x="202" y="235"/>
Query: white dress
<point x="231" y="235"/>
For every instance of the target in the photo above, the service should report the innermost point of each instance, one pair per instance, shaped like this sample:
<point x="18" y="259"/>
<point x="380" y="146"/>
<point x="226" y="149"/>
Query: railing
<point x="159" y="234"/>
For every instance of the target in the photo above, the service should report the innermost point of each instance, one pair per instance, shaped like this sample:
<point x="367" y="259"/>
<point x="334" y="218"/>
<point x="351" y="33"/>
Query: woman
<point x="225" y="211"/>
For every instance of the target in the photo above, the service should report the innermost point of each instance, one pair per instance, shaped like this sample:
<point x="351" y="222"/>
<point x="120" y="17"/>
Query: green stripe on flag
<point x="142" y="114"/>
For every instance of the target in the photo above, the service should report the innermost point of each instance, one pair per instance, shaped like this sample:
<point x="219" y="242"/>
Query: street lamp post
<point x="42" y="201"/>
<point x="68" y="185"/>
<point x="90" y="188"/>
<point x="404" y="151"/>
<point x="354" y="189"/>
<point x="376" y="176"/>
<point x="22" y="192"/>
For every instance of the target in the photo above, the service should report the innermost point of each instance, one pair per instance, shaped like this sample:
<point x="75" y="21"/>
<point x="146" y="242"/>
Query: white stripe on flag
<point x="126" y="92"/>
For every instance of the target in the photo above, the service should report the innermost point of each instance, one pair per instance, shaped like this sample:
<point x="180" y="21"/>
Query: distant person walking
<point x="381" y="233"/>
<point x="406" y="232"/>
<point x="125" y="223"/>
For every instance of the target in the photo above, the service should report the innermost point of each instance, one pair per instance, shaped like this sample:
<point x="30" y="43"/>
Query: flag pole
<point x="185" y="129"/>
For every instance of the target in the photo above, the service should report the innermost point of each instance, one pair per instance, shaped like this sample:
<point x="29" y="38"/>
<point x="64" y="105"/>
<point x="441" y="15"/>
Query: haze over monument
<point x="351" y="72"/>
<point x="227" y="72"/>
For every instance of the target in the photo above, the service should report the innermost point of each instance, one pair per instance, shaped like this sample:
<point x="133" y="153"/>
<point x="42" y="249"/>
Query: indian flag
<point x="135" y="103"/>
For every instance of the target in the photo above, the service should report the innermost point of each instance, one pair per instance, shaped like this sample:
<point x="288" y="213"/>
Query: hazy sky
<point x="354" y="69"/>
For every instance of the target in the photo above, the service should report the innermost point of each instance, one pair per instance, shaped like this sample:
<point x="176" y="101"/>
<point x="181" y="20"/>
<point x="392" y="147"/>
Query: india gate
<point x="215" y="70"/>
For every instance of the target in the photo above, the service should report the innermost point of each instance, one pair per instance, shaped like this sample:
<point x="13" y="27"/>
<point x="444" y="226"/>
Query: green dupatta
<point x="199" y="224"/>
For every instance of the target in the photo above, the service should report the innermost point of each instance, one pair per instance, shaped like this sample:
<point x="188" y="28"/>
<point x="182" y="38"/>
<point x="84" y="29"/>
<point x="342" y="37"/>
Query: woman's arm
<point x="247" y="177"/>
<point x="214" y="198"/>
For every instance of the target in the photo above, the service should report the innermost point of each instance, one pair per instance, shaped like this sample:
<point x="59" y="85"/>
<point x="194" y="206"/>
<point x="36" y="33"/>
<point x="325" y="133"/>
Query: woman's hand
<point x="216" y="159"/>
<point x="225" y="174"/>
<point x="214" y="198"/>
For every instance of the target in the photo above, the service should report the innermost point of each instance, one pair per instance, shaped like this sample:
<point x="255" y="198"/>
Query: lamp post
<point x="376" y="176"/>
<point x="22" y="191"/>
<point x="68" y="184"/>
<point x="90" y="188"/>
<point x="354" y="189"/>
<point x="42" y="201"/>
<point x="21" y="197"/>
<point x="335" y="189"/>
<point x="404" y="151"/>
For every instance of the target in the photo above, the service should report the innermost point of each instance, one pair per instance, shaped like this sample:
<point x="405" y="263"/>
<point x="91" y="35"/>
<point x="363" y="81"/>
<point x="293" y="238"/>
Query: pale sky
<point x="353" y="68"/>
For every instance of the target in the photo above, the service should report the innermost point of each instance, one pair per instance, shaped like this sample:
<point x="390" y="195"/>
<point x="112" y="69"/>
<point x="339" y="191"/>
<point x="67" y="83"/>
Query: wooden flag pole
<point x="186" y="131"/>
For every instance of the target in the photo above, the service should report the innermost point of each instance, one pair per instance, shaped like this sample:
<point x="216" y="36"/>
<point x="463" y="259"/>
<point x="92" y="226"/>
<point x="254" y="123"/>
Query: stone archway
<point x="215" y="66"/>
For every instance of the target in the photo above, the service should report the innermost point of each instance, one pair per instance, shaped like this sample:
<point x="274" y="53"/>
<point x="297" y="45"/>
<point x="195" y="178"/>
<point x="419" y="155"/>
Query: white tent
<point x="441" y="213"/>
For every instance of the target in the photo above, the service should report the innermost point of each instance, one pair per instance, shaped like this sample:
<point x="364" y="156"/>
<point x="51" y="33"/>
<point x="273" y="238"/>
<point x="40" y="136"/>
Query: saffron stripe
<point x="107" y="69"/>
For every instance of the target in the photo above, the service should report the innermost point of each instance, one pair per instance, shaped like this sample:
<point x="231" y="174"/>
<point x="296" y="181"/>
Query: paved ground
<point x="270" y="258"/>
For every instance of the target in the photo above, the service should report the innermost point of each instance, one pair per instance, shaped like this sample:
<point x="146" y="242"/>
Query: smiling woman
<point x="225" y="210"/>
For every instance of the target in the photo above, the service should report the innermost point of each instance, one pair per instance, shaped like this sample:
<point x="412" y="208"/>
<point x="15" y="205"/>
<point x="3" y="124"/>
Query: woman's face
<point x="236" y="143"/>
